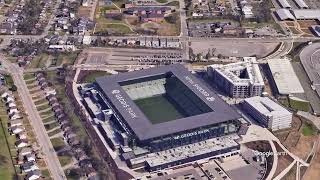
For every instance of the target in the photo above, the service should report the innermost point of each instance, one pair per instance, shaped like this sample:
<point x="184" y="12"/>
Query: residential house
<point x="22" y="143"/>
<point x="17" y="129"/>
<point x="33" y="175"/>
<point x="29" y="166"/>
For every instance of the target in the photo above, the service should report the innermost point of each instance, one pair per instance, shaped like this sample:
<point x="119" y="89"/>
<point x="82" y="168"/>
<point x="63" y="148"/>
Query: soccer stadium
<point x="161" y="117"/>
<point x="165" y="107"/>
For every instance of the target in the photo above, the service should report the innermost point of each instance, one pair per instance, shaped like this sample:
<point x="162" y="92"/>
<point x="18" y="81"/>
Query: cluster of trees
<point x="31" y="12"/>
<point x="26" y="47"/>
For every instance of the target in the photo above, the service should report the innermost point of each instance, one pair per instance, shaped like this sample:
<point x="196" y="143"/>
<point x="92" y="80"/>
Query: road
<point x="43" y="139"/>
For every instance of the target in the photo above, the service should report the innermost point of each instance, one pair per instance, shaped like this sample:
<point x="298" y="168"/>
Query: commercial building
<point x="238" y="80"/>
<point x="298" y="14"/>
<point x="285" y="78"/>
<point x="268" y="112"/>
<point x="150" y="114"/>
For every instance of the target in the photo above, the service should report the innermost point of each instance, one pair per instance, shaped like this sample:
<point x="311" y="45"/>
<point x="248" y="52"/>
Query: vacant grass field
<point x="58" y="143"/>
<point x="39" y="61"/>
<point x="7" y="170"/>
<point x="158" y="109"/>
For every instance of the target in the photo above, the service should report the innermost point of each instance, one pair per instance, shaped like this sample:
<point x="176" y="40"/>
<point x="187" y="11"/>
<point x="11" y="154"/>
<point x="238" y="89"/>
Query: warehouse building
<point x="268" y="112"/>
<point x="284" y="77"/>
<point x="238" y="80"/>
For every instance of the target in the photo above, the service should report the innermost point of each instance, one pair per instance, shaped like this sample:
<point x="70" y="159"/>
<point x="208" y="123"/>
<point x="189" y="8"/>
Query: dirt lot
<point x="283" y="161"/>
<point x="84" y="11"/>
<point x="313" y="172"/>
<point x="307" y="24"/>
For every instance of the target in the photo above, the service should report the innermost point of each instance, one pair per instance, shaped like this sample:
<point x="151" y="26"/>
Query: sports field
<point x="158" y="109"/>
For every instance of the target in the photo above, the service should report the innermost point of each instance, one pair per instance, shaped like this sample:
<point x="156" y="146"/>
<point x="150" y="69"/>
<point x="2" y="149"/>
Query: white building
<point x="268" y="112"/>
<point x="284" y="77"/>
<point x="238" y="80"/>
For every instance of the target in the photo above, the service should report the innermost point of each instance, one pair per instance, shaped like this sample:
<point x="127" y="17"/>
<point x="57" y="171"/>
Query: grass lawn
<point x="28" y="76"/>
<point x="65" y="160"/>
<point x="66" y="58"/>
<point x="41" y="101"/>
<point x="7" y="170"/>
<point x="43" y="107"/>
<point x="67" y="105"/>
<point x="161" y="1"/>
<point x="57" y="143"/>
<point x="9" y="80"/>
<point x="173" y="3"/>
<point x="71" y="175"/>
<point x="46" y="114"/>
<point x="308" y="129"/>
<point x="90" y="78"/>
<point x="299" y="105"/>
<point x="54" y="132"/>
<point x="158" y="109"/>
<point x="30" y="81"/>
<point x="31" y="86"/>
<point x="51" y="126"/>
<point x="39" y="61"/>
<point x="49" y="119"/>
<point x="45" y="173"/>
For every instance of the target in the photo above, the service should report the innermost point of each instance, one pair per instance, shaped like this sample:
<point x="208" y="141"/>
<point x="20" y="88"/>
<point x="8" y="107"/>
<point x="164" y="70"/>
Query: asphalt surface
<point x="43" y="139"/>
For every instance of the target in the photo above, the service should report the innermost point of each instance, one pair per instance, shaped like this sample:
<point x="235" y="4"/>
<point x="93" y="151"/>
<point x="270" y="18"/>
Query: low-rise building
<point x="238" y="80"/>
<point x="268" y="112"/>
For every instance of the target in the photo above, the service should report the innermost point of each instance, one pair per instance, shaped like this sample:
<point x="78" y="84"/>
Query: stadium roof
<point x="285" y="14"/>
<point x="284" y="76"/>
<point x="141" y="125"/>
<point x="284" y="3"/>
<point x="302" y="14"/>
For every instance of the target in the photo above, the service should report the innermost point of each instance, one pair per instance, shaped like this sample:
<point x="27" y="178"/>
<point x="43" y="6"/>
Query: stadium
<point x="165" y="107"/>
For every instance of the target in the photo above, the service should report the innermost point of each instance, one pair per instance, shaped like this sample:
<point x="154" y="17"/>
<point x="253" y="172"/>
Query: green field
<point x="6" y="166"/>
<point x="299" y="105"/>
<point x="309" y="129"/>
<point x="158" y="109"/>
<point x="90" y="78"/>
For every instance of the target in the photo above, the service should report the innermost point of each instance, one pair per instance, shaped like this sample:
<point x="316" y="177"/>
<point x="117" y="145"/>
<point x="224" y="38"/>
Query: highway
<point x="35" y="120"/>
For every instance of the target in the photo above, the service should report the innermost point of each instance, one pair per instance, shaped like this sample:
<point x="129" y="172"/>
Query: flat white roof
<point x="229" y="71"/>
<point x="266" y="106"/>
<point x="285" y="14"/>
<point x="301" y="3"/>
<point x="284" y="76"/>
<point x="284" y="3"/>
<point x="306" y="13"/>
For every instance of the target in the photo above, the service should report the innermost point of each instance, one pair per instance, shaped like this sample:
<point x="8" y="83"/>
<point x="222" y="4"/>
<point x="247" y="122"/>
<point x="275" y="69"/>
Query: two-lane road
<point x="50" y="155"/>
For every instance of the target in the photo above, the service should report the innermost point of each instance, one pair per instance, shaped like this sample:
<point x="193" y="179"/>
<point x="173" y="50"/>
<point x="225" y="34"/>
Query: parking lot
<point x="133" y="56"/>
<point x="234" y="49"/>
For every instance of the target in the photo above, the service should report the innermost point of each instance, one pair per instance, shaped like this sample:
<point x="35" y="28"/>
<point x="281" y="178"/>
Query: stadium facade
<point x="152" y="114"/>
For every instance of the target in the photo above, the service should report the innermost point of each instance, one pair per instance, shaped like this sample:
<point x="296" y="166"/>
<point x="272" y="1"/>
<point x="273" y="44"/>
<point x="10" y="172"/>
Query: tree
<point x="13" y="88"/>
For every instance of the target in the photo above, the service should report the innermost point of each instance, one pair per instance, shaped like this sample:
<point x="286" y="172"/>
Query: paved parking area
<point x="235" y="49"/>
<point x="125" y="56"/>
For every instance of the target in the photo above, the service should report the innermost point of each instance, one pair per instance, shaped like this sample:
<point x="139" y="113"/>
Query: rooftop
<point x="284" y="76"/>
<point x="234" y="71"/>
<point x="266" y="106"/>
